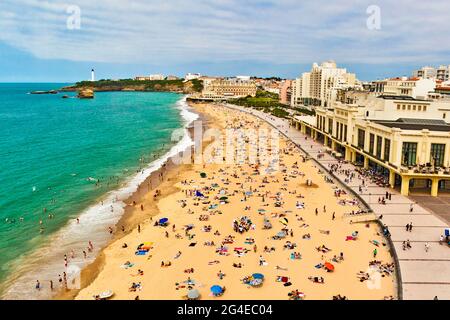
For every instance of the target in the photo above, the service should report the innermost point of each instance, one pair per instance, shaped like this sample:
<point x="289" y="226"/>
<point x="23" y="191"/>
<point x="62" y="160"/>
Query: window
<point x="361" y="138"/>
<point x="371" y="143"/>
<point x="379" y="145"/>
<point x="420" y="108"/>
<point x="341" y="131"/>
<point x="345" y="132"/>
<point x="330" y="126"/>
<point x="409" y="153"/>
<point x="387" y="149"/>
<point x="424" y="108"/>
<point x="437" y="154"/>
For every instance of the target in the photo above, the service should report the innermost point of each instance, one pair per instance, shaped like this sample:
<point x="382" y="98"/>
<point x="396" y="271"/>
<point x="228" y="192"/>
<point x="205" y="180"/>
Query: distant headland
<point x="178" y="86"/>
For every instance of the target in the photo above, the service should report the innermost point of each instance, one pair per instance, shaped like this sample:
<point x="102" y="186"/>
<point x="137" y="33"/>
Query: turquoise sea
<point x="59" y="158"/>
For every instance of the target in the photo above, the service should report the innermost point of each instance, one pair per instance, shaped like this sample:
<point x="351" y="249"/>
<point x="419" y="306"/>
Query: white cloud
<point x="275" y="31"/>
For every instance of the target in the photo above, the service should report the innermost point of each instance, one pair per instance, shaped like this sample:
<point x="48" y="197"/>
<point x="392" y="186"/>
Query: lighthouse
<point x="92" y="75"/>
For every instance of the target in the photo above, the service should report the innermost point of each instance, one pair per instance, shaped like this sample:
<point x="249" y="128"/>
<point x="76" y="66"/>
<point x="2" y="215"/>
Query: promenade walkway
<point x="423" y="275"/>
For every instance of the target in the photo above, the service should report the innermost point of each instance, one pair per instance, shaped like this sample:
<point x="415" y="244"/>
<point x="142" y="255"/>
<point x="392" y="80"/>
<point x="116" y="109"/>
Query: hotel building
<point x="403" y="138"/>
<point x="319" y="86"/>
<point x="417" y="88"/>
<point x="228" y="88"/>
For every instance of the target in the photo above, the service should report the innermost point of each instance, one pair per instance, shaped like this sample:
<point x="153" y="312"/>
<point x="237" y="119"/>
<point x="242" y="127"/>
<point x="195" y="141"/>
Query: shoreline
<point x="113" y="251"/>
<point x="133" y="216"/>
<point x="121" y="198"/>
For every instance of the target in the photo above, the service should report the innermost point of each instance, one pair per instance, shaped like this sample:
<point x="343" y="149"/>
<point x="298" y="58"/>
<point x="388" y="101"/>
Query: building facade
<point x="440" y="73"/>
<point x="417" y="88"/>
<point x="228" y="88"/>
<point x="152" y="77"/>
<point x="406" y="140"/>
<point x="286" y="92"/>
<point x="319" y="86"/>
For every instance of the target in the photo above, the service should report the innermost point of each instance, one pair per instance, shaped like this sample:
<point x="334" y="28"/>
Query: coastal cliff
<point x="178" y="86"/>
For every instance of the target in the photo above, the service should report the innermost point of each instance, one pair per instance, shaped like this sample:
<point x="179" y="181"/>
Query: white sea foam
<point x="47" y="262"/>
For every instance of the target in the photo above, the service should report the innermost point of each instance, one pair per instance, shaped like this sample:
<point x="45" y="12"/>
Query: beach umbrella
<point x="281" y="234"/>
<point x="284" y="221"/>
<point x="193" y="294"/>
<point x="106" y="294"/>
<point x="258" y="276"/>
<point x="223" y="198"/>
<point x="261" y="210"/>
<point x="329" y="266"/>
<point x="198" y="194"/>
<point x="216" y="289"/>
<point x="447" y="232"/>
<point x="203" y="175"/>
<point x="163" y="220"/>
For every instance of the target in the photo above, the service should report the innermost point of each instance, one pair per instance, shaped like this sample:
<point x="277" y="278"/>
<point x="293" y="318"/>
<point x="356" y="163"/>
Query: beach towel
<point x="282" y="279"/>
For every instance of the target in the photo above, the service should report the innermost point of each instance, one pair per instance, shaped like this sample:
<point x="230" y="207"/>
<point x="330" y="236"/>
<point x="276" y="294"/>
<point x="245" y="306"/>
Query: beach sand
<point x="232" y="181"/>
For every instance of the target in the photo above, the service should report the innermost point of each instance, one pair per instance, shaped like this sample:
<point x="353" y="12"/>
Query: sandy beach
<point x="290" y="233"/>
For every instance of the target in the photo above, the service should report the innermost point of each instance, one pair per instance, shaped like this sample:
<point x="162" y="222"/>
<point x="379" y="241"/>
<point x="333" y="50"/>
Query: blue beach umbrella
<point x="216" y="289"/>
<point x="163" y="220"/>
<point x="199" y="194"/>
<point x="258" y="276"/>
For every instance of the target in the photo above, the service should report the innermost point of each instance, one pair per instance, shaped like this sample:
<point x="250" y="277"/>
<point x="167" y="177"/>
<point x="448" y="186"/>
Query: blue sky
<point x="121" y="39"/>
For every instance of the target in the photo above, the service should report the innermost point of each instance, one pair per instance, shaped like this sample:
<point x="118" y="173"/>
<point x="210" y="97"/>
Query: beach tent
<point x="106" y="294"/>
<point x="258" y="276"/>
<point x="329" y="266"/>
<point x="199" y="194"/>
<point x="193" y="294"/>
<point x="163" y="221"/>
<point x="447" y="232"/>
<point x="146" y="246"/>
<point x="216" y="290"/>
<point x="281" y="234"/>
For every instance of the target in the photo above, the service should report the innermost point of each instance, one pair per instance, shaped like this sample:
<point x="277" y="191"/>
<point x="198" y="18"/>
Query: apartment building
<point x="319" y="86"/>
<point x="440" y="73"/>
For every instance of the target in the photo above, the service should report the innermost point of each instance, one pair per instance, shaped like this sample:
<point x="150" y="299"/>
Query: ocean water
<point x="62" y="159"/>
